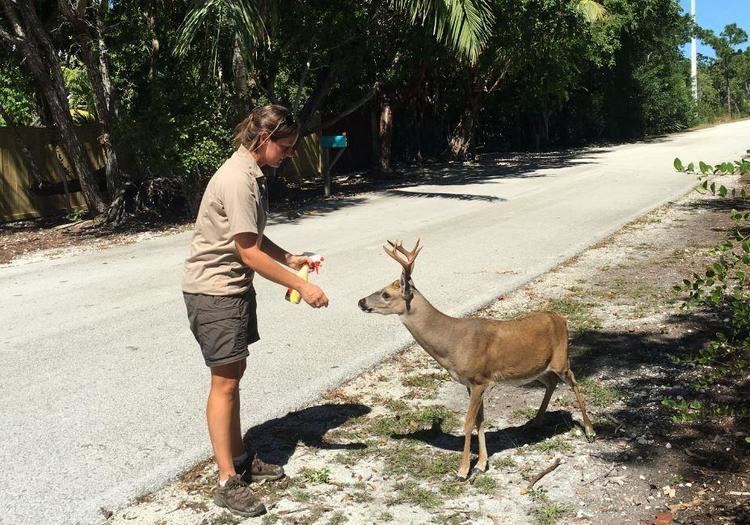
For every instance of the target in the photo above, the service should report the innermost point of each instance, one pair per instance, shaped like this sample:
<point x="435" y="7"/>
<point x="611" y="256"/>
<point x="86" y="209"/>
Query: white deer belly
<point x="517" y="381"/>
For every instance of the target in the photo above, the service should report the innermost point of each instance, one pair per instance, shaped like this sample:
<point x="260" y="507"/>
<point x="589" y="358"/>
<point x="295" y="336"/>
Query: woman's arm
<point x="277" y="253"/>
<point x="265" y="264"/>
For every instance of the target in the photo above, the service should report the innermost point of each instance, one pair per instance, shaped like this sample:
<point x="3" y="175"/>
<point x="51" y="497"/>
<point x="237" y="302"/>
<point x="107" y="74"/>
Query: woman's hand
<point x="295" y="262"/>
<point x="313" y="295"/>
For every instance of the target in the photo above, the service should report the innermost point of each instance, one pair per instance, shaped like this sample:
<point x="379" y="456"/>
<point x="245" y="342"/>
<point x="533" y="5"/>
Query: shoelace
<point x="240" y="487"/>
<point x="259" y="465"/>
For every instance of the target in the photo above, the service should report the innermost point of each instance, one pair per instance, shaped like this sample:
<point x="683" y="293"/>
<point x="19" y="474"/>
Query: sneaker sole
<point x="247" y="514"/>
<point x="267" y="477"/>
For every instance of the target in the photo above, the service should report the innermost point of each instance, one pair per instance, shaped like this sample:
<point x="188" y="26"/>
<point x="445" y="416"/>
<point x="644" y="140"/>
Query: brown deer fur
<point x="480" y="352"/>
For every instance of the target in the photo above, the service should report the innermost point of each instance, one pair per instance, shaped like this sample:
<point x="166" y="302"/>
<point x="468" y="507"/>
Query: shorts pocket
<point x="216" y="331"/>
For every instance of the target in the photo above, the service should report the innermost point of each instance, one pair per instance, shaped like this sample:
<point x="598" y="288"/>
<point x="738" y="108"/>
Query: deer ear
<point x="406" y="286"/>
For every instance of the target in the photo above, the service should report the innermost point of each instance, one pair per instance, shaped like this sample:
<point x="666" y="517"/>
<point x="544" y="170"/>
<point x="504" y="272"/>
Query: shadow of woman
<point x="276" y="440"/>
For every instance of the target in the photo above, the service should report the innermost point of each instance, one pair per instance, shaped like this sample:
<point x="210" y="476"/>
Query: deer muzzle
<point x="363" y="305"/>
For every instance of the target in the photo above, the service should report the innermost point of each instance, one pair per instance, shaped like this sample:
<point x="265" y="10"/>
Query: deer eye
<point x="385" y="295"/>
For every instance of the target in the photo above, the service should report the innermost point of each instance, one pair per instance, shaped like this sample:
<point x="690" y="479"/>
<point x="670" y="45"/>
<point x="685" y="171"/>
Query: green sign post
<point x="328" y="143"/>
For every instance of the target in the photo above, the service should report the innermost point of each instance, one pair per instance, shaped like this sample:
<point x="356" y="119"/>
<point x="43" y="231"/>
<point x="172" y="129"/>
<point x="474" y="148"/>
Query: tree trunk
<point x="729" y="98"/>
<point x="44" y="67"/>
<point x="154" y="52"/>
<point x="375" y="137"/>
<point x="385" y="134"/>
<point x="239" y="79"/>
<point x="461" y="141"/>
<point x="94" y="58"/>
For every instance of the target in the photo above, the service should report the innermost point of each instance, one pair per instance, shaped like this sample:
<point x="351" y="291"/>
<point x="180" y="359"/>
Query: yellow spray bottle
<point x="313" y="263"/>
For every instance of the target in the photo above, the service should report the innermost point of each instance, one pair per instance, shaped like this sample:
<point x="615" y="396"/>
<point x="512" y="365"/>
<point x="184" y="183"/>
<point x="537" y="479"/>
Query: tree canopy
<point x="414" y="79"/>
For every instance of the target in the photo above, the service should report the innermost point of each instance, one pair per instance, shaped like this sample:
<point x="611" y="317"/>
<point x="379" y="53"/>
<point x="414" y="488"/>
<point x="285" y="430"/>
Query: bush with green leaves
<point x="721" y="287"/>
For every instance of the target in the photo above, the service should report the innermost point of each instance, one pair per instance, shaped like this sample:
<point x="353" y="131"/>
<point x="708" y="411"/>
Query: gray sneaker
<point x="254" y="470"/>
<point x="236" y="496"/>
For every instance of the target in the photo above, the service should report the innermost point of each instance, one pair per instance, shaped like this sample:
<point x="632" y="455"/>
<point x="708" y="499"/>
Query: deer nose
<point x="362" y="304"/>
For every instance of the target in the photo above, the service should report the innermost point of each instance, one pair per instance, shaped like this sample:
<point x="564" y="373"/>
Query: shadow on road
<point x="293" y="204"/>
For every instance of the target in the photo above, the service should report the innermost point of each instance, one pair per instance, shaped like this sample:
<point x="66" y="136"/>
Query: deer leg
<point x="588" y="428"/>
<point x="482" y="461"/>
<point x="475" y="400"/>
<point x="550" y="383"/>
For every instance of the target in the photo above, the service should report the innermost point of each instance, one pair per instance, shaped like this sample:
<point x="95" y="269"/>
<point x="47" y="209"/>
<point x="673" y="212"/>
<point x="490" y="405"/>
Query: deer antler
<point x="408" y="263"/>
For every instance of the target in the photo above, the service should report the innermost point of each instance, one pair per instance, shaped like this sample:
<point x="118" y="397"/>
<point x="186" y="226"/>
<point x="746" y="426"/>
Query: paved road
<point x="102" y="388"/>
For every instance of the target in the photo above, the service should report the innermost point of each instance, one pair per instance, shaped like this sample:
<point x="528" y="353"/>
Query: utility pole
<point x="694" y="56"/>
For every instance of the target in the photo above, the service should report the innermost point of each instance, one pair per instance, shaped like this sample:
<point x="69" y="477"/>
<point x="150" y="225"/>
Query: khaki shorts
<point x="224" y="325"/>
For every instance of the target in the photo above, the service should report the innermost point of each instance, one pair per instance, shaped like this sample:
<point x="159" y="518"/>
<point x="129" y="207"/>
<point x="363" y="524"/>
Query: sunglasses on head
<point x="288" y="121"/>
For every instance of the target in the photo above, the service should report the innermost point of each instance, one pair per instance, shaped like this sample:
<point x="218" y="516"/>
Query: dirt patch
<point x="51" y="237"/>
<point x="385" y="446"/>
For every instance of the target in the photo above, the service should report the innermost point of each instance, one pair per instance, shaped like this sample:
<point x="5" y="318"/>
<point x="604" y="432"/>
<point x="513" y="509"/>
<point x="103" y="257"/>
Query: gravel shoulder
<point x="385" y="446"/>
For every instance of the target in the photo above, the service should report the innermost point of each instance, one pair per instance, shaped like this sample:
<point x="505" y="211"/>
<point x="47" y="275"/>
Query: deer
<point x="479" y="352"/>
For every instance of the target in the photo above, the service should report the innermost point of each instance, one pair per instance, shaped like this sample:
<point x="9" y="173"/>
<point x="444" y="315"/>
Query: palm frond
<point x="241" y="18"/>
<point x="463" y="24"/>
<point x="592" y="10"/>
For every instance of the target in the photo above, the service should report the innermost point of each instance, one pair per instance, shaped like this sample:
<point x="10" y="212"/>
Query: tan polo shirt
<point x="234" y="202"/>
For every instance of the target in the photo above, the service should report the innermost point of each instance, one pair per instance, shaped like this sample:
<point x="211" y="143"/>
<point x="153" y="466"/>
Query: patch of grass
<point x="452" y="489"/>
<point x="361" y="492"/>
<point x="321" y="475"/>
<point x="308" y="519"/>
<point x="300" y="496"/>
<point x="485" y="484"/>
<point x="554" y="443"/>
<point x="641" y="291"/>
<point x="349" y="433"/>
<point x="504" y="462"/>
<point x="411" y="492"/>
<point x="413" y="420"/>
<point x="524" y="413"/>
<point x="546" y="511"/>
<point x="270" y="519"/>
<point x="449" y="519"/>
<point x="565" y="400"/>
<point x="385" y="516"/>
<point x="598" y="394"/>
<point x="225" y="518"/>
<point x="337" y="518"/>
<point x="425" y="385"/>
<point x="354" y="455"/>
<point x="395" y="405"/>
<point x="407" y="458"/>
<point x="577" y="312"/>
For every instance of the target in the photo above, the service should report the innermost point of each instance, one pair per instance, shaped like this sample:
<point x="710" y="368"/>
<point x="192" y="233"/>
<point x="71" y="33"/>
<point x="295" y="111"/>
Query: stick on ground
<point x="540" y="476"/>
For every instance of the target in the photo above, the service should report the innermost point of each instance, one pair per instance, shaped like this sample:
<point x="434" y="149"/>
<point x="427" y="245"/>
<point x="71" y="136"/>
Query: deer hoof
<point x="590" y="435"/>
<point x="477" y="471"/>
<point x="463" y="477"/>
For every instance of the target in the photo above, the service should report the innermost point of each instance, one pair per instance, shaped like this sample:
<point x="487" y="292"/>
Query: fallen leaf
<point x="662" y="518"/>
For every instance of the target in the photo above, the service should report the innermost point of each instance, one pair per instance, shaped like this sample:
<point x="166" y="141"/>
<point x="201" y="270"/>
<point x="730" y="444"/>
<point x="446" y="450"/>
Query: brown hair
<point x="275" y="120"/>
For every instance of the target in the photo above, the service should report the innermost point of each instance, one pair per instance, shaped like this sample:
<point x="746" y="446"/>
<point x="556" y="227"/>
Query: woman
<point x="227" y="249"/>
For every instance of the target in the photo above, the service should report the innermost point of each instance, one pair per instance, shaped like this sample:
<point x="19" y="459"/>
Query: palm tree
<point x="463" y="24"/>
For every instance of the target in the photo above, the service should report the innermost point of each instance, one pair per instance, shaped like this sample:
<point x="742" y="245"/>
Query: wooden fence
<point x="20" y="198"/>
